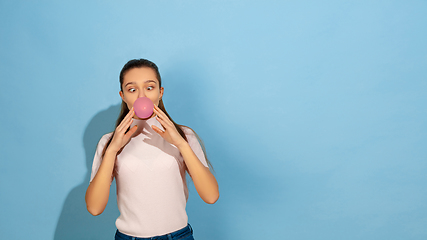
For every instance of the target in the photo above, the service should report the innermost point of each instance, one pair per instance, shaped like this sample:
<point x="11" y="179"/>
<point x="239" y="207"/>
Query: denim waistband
<point x="171" y="235"/>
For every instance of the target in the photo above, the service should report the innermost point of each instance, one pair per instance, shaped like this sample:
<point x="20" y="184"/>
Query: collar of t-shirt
<point x="144" y="126"/>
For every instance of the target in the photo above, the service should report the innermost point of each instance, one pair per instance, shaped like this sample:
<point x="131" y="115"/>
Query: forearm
<point x="98" y="192"/>
<point x="204" y="181"/>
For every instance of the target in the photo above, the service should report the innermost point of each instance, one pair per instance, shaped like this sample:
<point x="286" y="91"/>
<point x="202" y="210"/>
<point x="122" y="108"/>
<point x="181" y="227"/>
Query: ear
<point x="161" y="92"/>
<point x="121" y="95"/>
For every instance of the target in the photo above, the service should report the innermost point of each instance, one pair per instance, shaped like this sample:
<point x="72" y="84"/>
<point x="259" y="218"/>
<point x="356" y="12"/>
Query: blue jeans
<point x="182" y="234"/>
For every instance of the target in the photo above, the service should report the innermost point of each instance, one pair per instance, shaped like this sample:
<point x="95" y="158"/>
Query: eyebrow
<point x="144" y="82"/>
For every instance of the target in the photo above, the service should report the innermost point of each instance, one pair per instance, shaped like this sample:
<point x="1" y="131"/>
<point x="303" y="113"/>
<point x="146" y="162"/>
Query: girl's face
<point x="141" y="82"/>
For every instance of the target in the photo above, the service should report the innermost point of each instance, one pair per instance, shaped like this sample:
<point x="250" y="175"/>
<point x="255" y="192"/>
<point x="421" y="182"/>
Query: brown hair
<point x="139" y="63"/>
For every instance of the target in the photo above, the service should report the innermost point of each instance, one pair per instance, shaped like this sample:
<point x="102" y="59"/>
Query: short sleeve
<point x="98" y="155"/>
<point x="195" y="145"/>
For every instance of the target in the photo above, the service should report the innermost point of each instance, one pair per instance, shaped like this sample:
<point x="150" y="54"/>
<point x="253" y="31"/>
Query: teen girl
<point x="149" y="159"/>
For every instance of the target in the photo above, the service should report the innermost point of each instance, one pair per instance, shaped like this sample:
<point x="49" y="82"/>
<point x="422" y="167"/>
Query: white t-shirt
<point x="150" y="177"/>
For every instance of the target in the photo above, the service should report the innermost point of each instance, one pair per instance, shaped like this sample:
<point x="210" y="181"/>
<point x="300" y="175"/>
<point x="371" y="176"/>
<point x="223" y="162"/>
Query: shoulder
<point x="189" y="133"/>
<point x="192" y="138"/>
<point x="101" y="144"/>
<point x="107" y="136"/>
<point x="187" y="130"/>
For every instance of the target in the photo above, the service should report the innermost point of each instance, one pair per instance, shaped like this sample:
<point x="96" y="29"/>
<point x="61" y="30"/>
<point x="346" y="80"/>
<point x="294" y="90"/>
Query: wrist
<point x="182" y="144"/>
<point x="110" y="151"/>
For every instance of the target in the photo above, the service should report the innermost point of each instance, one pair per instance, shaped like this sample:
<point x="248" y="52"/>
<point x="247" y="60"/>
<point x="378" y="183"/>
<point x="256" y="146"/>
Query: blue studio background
<point x="313" y="112"/>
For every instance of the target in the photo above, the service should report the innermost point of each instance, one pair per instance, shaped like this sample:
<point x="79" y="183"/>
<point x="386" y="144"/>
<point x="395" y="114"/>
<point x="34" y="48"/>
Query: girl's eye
<point x="150" y="88"/>
<point x="131" y="90"/>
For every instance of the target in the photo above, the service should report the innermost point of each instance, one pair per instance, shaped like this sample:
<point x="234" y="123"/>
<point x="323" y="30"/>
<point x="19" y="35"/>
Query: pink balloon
<point x="143" y="107"/>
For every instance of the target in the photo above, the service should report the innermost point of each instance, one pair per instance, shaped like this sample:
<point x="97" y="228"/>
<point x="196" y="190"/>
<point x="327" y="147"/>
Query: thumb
<point x="131" y="131"/>
<point x="157" y="130"/>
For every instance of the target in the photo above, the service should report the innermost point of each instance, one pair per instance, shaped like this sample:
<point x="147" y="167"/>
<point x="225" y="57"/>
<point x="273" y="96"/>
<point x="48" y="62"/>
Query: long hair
<point x="139" y="63"/>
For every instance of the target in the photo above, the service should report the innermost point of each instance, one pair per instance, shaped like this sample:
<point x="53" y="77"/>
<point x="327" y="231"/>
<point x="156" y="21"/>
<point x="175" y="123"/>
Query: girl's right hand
<point x="120" y="137"/>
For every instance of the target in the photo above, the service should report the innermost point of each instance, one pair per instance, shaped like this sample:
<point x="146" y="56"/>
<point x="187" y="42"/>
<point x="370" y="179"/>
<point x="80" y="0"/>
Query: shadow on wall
<point x="75" y="222"/>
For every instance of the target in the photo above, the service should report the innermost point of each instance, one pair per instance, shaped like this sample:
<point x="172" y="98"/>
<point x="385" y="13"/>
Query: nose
<point x="141" y="94"/>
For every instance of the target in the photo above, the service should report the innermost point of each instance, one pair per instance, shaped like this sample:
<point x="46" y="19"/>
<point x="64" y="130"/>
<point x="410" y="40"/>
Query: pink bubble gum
<point x="143" y="107"/>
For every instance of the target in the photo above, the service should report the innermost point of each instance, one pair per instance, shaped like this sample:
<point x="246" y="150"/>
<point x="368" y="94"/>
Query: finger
<point x="127" y="120"/>
<point x="124" y="125"/>
<point x="122" y="134"/>
<point x="162" y="115"/>
<point x="163" y="123"/>
<point x="159" y="112"/>
<point x="130" y="132"/>
<point x="129" y="115"/>
<point x="157" y="130"/>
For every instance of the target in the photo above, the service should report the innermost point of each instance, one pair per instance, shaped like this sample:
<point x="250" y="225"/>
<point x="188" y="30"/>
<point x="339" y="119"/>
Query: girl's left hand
<point x="170" y="134"/>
